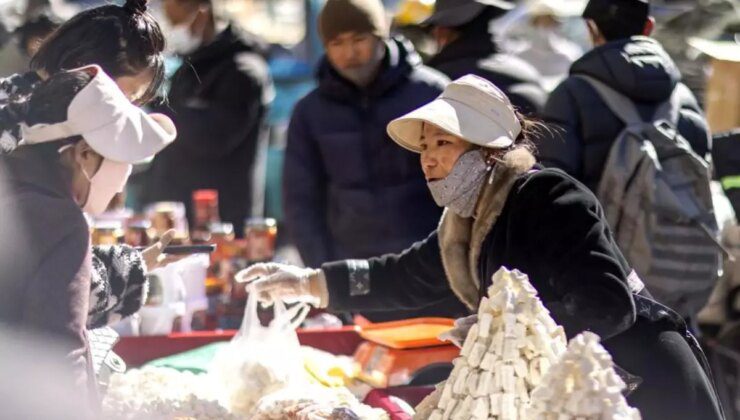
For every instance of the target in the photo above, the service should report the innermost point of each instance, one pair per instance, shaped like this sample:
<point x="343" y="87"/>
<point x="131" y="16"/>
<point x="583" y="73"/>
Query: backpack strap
<point x="619" y="104"/>
<point x="670" y="109"/>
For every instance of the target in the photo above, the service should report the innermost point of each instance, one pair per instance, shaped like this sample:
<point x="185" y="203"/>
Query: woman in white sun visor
<point x="80" y="137"/>
<point x="504" y="210"/>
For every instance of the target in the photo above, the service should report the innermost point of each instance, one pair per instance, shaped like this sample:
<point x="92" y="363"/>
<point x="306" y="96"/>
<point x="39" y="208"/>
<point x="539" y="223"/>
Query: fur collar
<point x="461" y="239"/>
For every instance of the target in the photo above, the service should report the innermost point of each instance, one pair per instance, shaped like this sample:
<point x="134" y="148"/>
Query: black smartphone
<point x="186" y="249"/>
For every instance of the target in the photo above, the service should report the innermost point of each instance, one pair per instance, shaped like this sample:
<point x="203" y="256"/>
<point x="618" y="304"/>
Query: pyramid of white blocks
<point x="505" y="355"/>
<point x="582" y="386"/>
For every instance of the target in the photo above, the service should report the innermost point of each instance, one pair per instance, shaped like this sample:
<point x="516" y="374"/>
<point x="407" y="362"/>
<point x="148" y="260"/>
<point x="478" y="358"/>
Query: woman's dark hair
<point x="123" y="40"/>
<point x="48" y="104"/>
<point x="531" y="128"/>
<point x="614" y="29"/>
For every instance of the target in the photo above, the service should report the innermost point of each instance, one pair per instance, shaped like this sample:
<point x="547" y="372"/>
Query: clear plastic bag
<point x="260" y="360"/>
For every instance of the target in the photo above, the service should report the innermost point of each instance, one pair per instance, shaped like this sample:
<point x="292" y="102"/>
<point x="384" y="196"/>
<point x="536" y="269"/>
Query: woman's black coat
<point x="551" y="228"/>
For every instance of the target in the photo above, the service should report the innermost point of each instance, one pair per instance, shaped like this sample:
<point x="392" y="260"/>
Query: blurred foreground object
<point x="32" y="384"/>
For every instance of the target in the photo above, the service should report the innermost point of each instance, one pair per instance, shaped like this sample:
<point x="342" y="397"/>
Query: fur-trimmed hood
<point x="460" y="239"/>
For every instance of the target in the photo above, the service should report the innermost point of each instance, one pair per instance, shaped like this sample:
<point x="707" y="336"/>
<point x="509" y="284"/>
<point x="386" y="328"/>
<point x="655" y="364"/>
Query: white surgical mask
<point x="109" y="180"/>
<point x="459" y="190"/>
<point x="180" y="40"/>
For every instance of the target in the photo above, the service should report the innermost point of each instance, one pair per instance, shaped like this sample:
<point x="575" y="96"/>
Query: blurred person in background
<point x="80" y="137"/>
<point x="630" y="62"/>
<point x="407" y="23"/>
<point x="34" y="31"/>
<point x="637" y="72"/>
<point x="219" y="99"/>
<point x="466" y="46"/>
<point x="540" y="41"/>
<point x="346" y="185"/>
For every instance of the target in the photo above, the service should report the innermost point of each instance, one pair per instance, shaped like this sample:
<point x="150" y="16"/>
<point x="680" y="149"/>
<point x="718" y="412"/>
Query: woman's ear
<point x="86" y="156"/>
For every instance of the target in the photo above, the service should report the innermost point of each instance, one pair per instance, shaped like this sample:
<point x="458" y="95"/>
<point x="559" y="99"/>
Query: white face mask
<point x="109" y="180"/>
<point x="180" y="40"/>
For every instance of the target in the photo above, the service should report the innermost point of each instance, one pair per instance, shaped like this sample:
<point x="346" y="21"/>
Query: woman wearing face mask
<point x="81" y="136"/>
<point x="504" y="210"/>
<point x="219" y="100"/>
<point x="128" y="44"/>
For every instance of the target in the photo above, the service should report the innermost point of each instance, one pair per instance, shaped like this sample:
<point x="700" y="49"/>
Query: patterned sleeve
<point x="119" y="287"/>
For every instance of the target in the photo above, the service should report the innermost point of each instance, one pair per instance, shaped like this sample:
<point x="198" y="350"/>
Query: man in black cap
<point x="629" y="62"/>
<point x="466" y="46"/>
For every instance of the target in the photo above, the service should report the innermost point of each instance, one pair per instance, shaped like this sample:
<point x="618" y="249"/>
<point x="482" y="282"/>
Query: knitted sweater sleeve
<point x="118" y="287"/>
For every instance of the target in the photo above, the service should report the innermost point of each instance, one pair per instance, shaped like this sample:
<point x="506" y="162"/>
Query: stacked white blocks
<point x="582" y="386"/>
<point x="505" y="355"/>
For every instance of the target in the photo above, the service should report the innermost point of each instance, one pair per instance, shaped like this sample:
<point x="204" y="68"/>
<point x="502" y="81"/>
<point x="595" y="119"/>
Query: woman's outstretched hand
<point x="273" y="281"/>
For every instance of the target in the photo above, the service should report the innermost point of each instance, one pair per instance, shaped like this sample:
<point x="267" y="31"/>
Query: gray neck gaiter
<point x="459" y="190"/>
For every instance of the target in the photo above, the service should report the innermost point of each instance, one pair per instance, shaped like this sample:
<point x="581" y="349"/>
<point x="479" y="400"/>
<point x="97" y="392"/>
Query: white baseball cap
<point x="112" y="126"/>
<point x="471" y="108"/>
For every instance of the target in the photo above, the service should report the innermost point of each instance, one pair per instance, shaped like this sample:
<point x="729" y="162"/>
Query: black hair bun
<point x="136" y="6"/>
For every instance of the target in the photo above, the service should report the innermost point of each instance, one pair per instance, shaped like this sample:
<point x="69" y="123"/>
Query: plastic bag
<point x="260" y="360"/>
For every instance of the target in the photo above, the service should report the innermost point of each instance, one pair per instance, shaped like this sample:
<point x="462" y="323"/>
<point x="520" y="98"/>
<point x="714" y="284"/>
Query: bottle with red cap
<point x="205" y="213"/>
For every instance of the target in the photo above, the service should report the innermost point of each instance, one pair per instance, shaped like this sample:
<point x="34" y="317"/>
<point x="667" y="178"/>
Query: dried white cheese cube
<point x="484" y="323"/>
<point x="436" y="415"/>
<point x="476" y="355"/>
<point x="495" y="405"/>
<point x="497" y="344"/>
<point x="488" y="362"/>
<point x="511" y="351"/>
<point x="520" y="330"/>
<point x="535" y="376"/>
<point x="544" y="365"/>
<point x="460" y="381"/>
<point x="480" y="409"/>
<point x="521" y="368"/>
<point x="472" y="382"/>
<point x="508" y="407"/>
<point x="446" y="396"/>
<point x="450" y="409"/>
<point x="509" y="324"/>
<point x="573" y="401"/>
<point x="470" y="340"/>
<point x="508" y="380"/>
<point x="484" y="384"/>
<point x="463" y="410"/>
<point x="498" y="378"/>
<point x="521" y="389"/>
<point x="484" y="307"/>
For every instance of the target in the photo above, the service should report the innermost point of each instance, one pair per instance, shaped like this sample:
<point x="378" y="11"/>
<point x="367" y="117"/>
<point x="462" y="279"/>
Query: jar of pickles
<point x="260" y="235"/>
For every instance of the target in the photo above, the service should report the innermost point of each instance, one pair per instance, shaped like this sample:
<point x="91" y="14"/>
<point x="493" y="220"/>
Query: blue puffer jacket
<point x="349" y="190"/>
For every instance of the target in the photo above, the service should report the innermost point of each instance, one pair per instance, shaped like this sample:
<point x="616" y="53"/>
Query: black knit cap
<point x="617" y="10"/>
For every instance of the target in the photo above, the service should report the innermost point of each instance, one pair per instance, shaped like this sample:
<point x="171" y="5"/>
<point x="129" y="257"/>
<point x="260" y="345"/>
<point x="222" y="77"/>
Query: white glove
<point x="459" y="332"/>
<point x="287" y="283"/>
